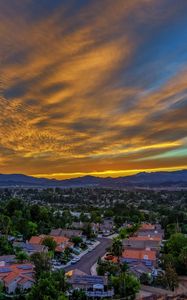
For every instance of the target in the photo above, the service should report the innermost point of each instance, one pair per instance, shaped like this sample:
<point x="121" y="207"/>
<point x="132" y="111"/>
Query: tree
<point x="176" y="253"/>
<point x="50" y="286"/>
<point x="107" y="267"/>
<point x="78" y="295"/>
<point x="171" y="277"/>
<point x="76" y="240"/>
<point x="42" y="263"/>
<point x="2" y="297"/>
<point x="5" y="246"/>
<point x="117" y="247"/>
<point x="5" y="224"/>
<point x="50" y="243"/>
<point x="183" y="256"/>
<point x="176" y="243"/>
<point x="43" y="289"/>
<point x="88" y="231"/>
<point x="145" y="278"/>
<point x="22" y="256"/>
<point x="126" y="285"/>
<point x="31" y="229"/>
<point x="62" y="297"/>
<point x="60" y="280"/>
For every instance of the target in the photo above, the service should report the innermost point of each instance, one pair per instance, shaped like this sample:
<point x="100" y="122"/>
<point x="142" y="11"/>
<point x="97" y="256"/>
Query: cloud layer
<point x="93" y="87"/>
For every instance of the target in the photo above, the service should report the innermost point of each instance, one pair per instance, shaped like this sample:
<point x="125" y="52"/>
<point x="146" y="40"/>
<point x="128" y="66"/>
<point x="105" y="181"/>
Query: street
<point x="89" y="259"/>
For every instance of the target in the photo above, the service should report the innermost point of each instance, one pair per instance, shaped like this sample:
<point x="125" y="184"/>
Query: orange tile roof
<point x="10" y="277"/>
<point x="25" y="278"/>
<point x="146" y="226"/>
<point x="60" y="239"/>
<point x="36" y="240"/>
<point x="17" y="272"/>
<point x="39" y="239"/>
<point x="139" y="254"/>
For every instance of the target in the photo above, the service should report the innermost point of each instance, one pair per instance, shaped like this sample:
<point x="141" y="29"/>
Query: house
<point x="17" y="276"/>
<point x="147" y="257"/>
<point x="81" y="225"/>
<point x="30" y="248"/>
<point x="139" y="268"/>
<point x="62" y="241"/>
<point x="147" y="226"/>
<point x="78" y="225"/>
<point x="150" y="230"/>
<point x="107" y="226"/>
<point x="7" y="259"/>
<point x="94" y="286"/>
<point x="66" y="232"/>
<point x="36" y="240"/>
<point x="143" y="242"/>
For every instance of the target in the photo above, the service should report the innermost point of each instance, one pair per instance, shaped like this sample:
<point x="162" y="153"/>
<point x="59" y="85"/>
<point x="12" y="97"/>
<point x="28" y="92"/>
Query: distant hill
<point x="154" y="179"/>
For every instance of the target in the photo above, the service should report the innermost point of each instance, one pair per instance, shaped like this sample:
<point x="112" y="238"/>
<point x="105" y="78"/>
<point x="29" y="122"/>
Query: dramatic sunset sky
<point x="94" y="87"/>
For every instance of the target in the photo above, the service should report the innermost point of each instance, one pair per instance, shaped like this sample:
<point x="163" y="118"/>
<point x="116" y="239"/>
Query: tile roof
<point x="60" y="239"/>
<point x="146" y="226"/>
<point x="16" y="272"/>
<point x="36" y="240"/>
<point x="139" y="254"/>
<point x="39" y="239"/>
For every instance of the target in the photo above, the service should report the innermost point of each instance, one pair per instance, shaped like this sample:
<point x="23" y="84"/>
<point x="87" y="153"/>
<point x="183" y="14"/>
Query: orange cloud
<point x="68" y="103"/>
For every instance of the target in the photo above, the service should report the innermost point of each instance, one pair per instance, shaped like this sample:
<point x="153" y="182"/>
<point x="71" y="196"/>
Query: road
<point x="89" y="259"/>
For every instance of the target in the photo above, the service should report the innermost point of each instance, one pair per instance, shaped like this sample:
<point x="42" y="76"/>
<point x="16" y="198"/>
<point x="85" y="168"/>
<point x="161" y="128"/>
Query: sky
<point x="93" y="87"/>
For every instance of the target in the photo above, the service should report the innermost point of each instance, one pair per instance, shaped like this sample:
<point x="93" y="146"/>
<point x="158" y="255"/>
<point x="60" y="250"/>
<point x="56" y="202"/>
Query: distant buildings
<point x="69" y="233"/>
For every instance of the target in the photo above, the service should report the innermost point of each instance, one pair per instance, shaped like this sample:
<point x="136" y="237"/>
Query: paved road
<point x="89" y="259"/>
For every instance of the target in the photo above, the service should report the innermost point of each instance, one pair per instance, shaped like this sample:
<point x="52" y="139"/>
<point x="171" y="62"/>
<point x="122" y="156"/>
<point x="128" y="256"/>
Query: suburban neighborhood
<point x="113" y="252"/>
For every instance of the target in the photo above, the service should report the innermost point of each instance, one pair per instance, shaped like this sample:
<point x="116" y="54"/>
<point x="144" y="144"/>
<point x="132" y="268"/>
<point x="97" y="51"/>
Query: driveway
<point x="89" y="259"/>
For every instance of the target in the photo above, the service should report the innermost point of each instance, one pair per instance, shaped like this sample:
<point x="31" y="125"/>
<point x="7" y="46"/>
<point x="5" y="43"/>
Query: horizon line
<point x="107" y="173"/>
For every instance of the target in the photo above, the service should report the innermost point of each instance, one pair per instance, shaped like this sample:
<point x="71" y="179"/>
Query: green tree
<point x="50" y="243"/>
<point x="76" y="240"/>
<point x="31" y="229"/>
<point x="107" y="267"/>
<point x="88" y="231"/>
<point x="117" y="247"/>
<point x="183" y="257"/>
<point x="171" y="278"/>
<point x="78" y="295"/>
<point x="145" y="278"/>
<point x="5" y="224"/>
<point x="42" y="263"/>
<point x="60" y="280"/>
<point x="5" y="246"/>
<point x="2" y="297"/>
<point x="43" y="289"/>
<point x="126" y="285"/>
<point x="50" y="286"/>
<point x="22" y="256"/>
<point x="176" y="243"/>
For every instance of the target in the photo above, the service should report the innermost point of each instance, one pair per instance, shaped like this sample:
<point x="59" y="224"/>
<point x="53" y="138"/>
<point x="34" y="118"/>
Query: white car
<point x="75" y="260"/>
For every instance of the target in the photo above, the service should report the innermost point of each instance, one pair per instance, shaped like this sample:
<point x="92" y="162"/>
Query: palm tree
<point x="117" y="247"/>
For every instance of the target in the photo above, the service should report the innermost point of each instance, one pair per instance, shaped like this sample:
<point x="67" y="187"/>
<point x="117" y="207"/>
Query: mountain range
<point x="143" y="179"/>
